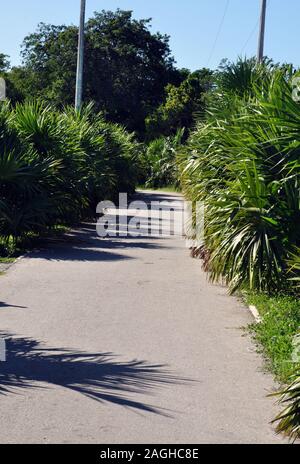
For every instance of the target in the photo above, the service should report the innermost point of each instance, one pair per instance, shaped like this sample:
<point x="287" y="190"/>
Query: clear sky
<point x="192" y="24"/>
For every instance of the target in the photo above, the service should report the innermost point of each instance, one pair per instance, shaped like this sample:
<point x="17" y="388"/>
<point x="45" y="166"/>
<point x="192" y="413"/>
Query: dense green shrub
<point x="245" y="168"/>
<point x="288" y="421"/>
<point x="56" y="166"/>
<point x="160" y="161"/>
<point x="243" y="163"/>
<point x="181" y="107"/>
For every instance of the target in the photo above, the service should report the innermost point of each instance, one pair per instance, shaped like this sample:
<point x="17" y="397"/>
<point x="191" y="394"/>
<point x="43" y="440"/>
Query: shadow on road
<point x="7" y="305"/>
<point x="83" y="243"/>
<point x="96" y="375"/>
<point x="78" y="253"/>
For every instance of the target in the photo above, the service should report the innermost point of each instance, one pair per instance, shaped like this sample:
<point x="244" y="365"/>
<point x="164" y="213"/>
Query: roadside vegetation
<point x="275" y="334"/>
<point x="161" y="169"/>
<point x="56" y="166"/>
<point x="229" y="138"/>
<point x="242" y="162"/>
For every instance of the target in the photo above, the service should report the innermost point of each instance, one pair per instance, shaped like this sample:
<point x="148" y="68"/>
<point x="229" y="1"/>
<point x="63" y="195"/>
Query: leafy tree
<point x="4" y="63"/>
<point x="181" y="105"/>
<point x="17" y="80"/>
<point x="238" y="80"/>
<point x="126" y="66"/>
<point x="12" y="92"/>
<point x="49" y="57"/>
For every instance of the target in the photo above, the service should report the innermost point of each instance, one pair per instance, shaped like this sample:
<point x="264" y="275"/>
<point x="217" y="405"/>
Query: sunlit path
<point x="122" y="340"/>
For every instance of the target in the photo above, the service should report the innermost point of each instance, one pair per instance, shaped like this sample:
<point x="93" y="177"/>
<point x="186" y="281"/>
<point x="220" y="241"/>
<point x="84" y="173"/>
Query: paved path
<point x="124" y="341"/>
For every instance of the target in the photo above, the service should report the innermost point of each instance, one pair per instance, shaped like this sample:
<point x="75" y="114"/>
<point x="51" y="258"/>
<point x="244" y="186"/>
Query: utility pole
<point x="80" y="58"/>
<point x="261" y="41"/>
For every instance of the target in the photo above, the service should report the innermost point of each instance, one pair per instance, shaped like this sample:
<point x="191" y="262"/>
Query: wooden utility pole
<point x="261" y="40"/>
<point x="80" y="58"/>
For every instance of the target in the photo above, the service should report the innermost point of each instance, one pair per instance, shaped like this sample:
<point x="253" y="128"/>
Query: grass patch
<point x="281" y="322"/>
<point x="7" y="260"/>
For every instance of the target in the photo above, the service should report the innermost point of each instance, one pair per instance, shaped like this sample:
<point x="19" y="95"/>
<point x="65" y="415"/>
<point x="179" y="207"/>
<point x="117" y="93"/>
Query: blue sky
<point x="192" y="25"/>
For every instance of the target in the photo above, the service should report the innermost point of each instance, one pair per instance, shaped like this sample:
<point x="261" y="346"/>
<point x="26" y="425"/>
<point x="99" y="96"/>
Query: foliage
<point x="245" y="168"/>
<point x="240" y="80"/>
<point x="294" y="263"/>
<point x="56" y="166"/>
<point x="243" y="76"/>
<point x="243" y="164"/>
<point x="126" y="66"/>
<point x="4" y="63"/>
<point x="181" y="105"/>
<point x="160" y="161"/>
<point x="16" y="84"/>
<point x="280" y="324"/>
<point x="288" y="421"/>
<point x="5" y="72"/>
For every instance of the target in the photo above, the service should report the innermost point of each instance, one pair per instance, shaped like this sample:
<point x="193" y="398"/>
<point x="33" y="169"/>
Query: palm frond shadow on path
<point x="96" y="375"/>
<point x="7" y="305"/>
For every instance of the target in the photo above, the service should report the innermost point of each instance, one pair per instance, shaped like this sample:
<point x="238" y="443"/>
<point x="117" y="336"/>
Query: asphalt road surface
<point x="124" y="341"/>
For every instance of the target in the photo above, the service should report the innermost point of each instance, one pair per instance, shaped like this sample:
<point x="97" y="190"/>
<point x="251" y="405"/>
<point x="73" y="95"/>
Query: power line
<point x="250" y="36"/>
<point x="219" y="32"/>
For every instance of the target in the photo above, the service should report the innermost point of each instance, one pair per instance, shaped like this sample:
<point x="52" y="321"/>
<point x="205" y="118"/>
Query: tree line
<point x="129" y="73"/>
